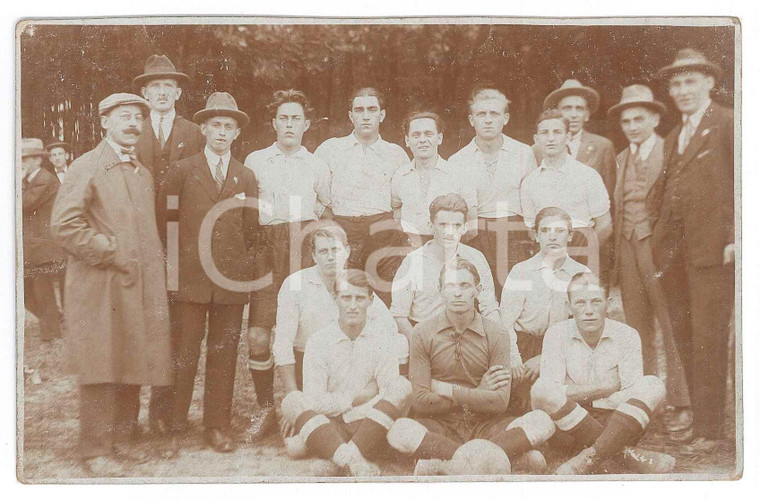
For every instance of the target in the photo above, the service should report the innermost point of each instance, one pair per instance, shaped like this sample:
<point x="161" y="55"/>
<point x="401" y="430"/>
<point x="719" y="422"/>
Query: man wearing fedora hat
<point x="210" y="197"/>
<point x="117" y="318"/>
<point x="42" y="257"/>
<point x="173" y="137"/>
<point x="59" y="154"/>
<point x="638" y="114"/>
<point x="693" y="237"/>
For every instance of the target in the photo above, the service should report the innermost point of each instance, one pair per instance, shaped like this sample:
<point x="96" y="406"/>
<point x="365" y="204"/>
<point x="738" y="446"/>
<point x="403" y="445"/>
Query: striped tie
<point x="219" y="176"/>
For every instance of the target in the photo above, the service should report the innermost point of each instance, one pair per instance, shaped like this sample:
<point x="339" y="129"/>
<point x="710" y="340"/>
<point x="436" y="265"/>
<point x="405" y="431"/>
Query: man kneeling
<point x="593" y="386"/>
<point x="460" y="373"/>
<point x="352" y="391"/>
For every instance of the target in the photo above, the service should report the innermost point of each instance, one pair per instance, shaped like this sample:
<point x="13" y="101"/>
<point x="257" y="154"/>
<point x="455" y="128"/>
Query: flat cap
<point x="122" y="99"/>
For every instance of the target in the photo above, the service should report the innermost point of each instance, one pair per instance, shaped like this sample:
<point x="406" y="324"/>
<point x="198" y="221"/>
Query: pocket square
<point x="705" y="132"/>
<point x="703" y="153"/>
<point x="240" y="196"/>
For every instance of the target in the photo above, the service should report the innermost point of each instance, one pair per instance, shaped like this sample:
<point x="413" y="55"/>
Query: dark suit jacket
<point x="597" y="152"/>
<point x="700" y="186"/>
<point x="37" y="199"/>
<point x="232" y="237"/>
<point x="655" y="162"/>
<point x="184" y="141"/>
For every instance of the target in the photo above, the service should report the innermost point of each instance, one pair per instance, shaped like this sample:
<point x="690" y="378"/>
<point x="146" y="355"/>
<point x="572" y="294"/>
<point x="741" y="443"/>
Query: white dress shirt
<point x="166" y="125"/>
<point x="694" y="119"/>
<point x="644" y="148"/>
<point x="213" y="160"/>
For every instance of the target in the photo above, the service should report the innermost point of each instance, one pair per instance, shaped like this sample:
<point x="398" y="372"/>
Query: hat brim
<point x="65" y="146"/>
<point x="34" y="153"/>
<point x="143" y="79"/>
<point x="656" y="106"/>
<point x="203" y="115"/>
<point x="590" y="95"/>
<point x="673" y="69"/>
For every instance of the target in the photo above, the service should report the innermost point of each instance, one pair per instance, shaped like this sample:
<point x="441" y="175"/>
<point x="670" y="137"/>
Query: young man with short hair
<point x="593" y="386"/>
<point x="563" y="182"/>
<point x="460" y="374"/>
<point x="294" y="189"/>
<point x="193" y="188"/>
<point x="59" y="154"/>
<point x="427" y="177"/>
<point x="535" y="296"/>
<point x="498" y="164"/>
<point x="352" y="392"/>
<point x="362" y="165"/>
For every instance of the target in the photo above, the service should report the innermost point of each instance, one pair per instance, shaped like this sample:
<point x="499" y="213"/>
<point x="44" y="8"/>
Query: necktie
<point x="161" y="139"/>
<point x="688" y="132"/>
<point x="219" y="176"/>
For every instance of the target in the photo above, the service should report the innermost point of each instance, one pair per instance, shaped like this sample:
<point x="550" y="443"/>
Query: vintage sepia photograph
<point x="270" y="249"/>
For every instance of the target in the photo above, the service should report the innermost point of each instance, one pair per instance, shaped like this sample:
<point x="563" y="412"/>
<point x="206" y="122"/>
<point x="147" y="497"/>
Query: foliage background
<point x="65" y="70"/>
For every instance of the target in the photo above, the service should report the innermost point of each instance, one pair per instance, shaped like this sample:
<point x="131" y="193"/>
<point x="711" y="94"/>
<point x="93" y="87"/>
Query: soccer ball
<point x="479" y="457"/>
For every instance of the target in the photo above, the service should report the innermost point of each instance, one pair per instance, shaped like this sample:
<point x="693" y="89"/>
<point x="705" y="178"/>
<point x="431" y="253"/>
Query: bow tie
<point x="130" y="152"/>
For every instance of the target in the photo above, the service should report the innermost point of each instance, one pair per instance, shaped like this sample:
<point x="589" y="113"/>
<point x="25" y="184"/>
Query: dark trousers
<point x="282" y="256"/>
<point x="189" y="329"/>
<point x="107" y="415"/>
<point x="643" y="302"/>
<point x="39" y="298"/>
<point x="372" y="239"/>
<point x="700" y="301"/>
<point x="504" y="242"/>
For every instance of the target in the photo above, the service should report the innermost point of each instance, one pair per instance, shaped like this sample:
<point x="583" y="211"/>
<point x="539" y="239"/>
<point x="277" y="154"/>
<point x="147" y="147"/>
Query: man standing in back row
<point x="693" y="237"/>
<point x="167" y="137"/>
<point x="498" y="164"/>
<point x="362" y="165"/>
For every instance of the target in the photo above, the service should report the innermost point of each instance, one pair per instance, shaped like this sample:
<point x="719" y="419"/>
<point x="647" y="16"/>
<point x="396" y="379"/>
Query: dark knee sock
<point x="322" y="436"/>
<point x="585" y="431"/>
<point x="624" y="428"/>
<point x="375" y="426"/>
<point x="513" y="441"/>
<point x="435" y="446"/>
<point x="262" y="373"/>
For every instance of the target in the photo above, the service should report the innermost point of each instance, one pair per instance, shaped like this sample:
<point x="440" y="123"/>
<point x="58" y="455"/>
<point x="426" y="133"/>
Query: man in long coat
<point x="116" y="308"/>
<point x="42" y="257"/>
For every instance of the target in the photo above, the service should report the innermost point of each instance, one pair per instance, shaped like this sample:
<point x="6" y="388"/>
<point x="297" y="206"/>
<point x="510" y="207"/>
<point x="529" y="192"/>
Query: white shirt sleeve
<point x="286" y="330"/>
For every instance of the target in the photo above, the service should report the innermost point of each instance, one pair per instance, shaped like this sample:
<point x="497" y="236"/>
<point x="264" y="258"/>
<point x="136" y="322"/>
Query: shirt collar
<point x="275" y="151"/>
<point x="561" y="168"/>
<point x="696" y="117"/>
<point x="475" y="326"/>
<point x="352" y="141"/>
<point x="155" y="117"/>
<point x="577" y="137"/>
<point x="576" y="333"/>
<point x="505" y="145"/>
<point x="117" y="149"/>
<point x="644" y="148"/>
<point x="540" y="264"/>
<point x="440" y="165"/>
<point x="213" y="158"/>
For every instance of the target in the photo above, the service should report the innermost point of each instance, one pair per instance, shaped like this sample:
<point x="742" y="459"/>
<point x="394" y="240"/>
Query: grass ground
<point x="50" y="426"/>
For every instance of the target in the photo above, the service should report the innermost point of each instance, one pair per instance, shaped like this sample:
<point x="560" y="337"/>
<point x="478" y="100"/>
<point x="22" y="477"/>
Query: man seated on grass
<point x="459" y="368"/>
<point x="535" y="297"/>
<point x="352" y="389"/>
<point x="593" y="386"/>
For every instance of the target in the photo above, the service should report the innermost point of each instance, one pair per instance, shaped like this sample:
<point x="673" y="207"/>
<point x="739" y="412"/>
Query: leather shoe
<point x="159" y="427"/>
<point x="129" y="454"/>
<point x="263" y="424"/>
<point x="217" y="439"/>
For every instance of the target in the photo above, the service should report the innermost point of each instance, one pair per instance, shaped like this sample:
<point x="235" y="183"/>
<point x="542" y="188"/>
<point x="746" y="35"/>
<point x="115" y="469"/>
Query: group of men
<point x="372" y="280"/>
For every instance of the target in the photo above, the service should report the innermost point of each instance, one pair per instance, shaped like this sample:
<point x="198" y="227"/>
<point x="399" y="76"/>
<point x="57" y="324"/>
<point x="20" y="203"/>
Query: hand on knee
<point x="398" y="392"/>
<point x="547" y="396"/>
<point x="292" y="406"/>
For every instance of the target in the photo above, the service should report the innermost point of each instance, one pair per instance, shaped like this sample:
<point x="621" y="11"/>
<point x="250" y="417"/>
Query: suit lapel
<point x="175" y="139"/>
<point x="586" y="150"/>
<point x="145" y="142"/>
<point x="233" y="178"/>
<point x="620" y="179"/>
<point x="202" y="176"/>
<point x="700" y="136"/>
<point x="655" y="164"/>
